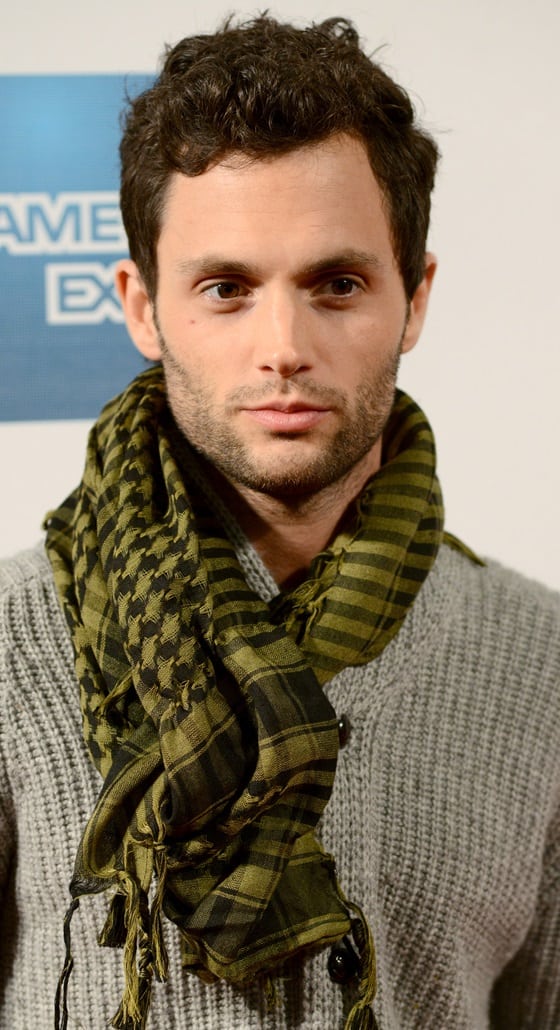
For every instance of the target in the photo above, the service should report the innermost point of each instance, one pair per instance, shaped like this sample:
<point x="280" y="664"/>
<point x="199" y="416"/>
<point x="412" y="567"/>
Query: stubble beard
<point x="286" y="476"/>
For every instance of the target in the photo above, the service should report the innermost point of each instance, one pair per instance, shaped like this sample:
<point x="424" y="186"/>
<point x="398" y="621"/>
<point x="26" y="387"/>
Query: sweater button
<point x="343" y="730"/>
<point x="343" y="964"/>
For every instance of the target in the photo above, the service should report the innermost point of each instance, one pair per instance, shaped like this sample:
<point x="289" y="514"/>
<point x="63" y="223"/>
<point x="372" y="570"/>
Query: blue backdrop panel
<point x="64" y="349"/>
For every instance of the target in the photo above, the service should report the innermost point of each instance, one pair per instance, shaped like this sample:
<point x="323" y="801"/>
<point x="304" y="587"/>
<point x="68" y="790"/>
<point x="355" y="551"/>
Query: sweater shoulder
<point x="27" y="567"/>
<point x="33" y="632"/>
<point x="494" y="591"/>
<point x="26" y="585"/>
<point x="485" y="623"/>
<point x="505" y="620"/>
<point x="517" y="584"/>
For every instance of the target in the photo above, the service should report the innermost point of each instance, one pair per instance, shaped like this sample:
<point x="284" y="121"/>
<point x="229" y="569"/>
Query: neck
<point x="287" y="533"/>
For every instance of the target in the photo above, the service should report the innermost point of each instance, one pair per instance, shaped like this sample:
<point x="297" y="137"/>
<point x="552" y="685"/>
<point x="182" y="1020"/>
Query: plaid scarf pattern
<point x="203" y="707"/>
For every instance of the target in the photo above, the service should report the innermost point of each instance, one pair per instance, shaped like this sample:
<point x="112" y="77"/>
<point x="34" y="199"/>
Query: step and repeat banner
<point x="63" y="346"/>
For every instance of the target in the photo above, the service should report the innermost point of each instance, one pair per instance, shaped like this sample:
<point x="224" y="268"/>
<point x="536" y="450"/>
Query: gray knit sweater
<point x="443" y="821"/>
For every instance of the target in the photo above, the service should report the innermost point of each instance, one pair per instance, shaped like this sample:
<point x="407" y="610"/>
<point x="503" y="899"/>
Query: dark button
<point x="343" y="964"/>
<point x="343" y="730"/>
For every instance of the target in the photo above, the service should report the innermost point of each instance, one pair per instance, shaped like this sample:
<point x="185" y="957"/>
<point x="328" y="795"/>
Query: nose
<point x="282" y="341"/>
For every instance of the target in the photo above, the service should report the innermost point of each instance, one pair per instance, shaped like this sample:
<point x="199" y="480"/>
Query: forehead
<point x="310" y="199"/>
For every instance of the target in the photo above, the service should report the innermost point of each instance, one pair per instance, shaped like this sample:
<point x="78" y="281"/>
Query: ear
<point x="138" y="309"/>
<point x="419" y="305"/>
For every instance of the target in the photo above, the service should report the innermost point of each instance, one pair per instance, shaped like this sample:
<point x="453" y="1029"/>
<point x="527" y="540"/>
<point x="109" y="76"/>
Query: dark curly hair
<point x="264" y="88"/>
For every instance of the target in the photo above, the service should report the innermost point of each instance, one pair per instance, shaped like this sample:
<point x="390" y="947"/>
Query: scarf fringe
<point x="361" y="1018"/>
<point x="161" y="960"/>
<point x="137" y="927"/>
<point x="61" y="998"/>
<point x="113" y="934"/>
<point x="361" y="1015"/>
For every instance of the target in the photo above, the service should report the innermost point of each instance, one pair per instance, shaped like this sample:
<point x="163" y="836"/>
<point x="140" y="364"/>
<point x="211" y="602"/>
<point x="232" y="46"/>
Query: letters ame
<point x="68" y="223"/>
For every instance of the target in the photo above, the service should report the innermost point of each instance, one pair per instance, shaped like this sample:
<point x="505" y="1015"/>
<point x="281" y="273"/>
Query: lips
<point x="296" y="417"/>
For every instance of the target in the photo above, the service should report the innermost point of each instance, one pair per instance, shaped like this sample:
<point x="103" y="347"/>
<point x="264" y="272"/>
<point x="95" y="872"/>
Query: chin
<point x="288" y="482"/>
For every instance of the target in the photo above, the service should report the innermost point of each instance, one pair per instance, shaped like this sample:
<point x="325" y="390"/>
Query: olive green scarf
<point x="203" y="707"/>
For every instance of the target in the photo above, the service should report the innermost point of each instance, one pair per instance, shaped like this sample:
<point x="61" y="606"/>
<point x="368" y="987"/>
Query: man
<point x="252" y="588"/>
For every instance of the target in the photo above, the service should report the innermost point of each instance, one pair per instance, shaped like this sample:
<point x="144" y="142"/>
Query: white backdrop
<point x="486" y="80"/>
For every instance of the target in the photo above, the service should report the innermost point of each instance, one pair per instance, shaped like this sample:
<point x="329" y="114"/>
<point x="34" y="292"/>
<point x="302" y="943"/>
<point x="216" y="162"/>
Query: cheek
<point x="193" y="371"/>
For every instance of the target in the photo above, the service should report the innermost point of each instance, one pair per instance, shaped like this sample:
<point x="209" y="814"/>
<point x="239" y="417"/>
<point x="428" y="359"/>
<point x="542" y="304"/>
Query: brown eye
<point x="343" y="287"/>
<point x="226" y="291"/>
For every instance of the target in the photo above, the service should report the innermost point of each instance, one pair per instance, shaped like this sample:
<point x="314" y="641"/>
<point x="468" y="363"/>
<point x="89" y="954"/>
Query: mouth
<point x="287" y="417"/>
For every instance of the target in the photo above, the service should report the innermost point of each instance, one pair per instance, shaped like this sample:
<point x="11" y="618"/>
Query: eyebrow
<point x="213" y="264"/>
<point x="345" y="259"/>
<point x="218" y="264"/>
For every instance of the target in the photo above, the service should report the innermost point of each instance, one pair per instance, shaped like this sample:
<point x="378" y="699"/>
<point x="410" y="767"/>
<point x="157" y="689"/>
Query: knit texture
<point x="443" y="819"/>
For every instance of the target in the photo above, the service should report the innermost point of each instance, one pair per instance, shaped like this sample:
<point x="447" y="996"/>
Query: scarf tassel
<point x="136" y="927"/>
<point x="61" y="999"/>
<point x="361" y="1015"/>
<point x="130" y="914"/>
<point x="113" y="934"/>
<point x="361" y="1019"/>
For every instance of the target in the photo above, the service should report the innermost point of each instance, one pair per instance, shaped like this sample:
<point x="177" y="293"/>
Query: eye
<point x="343" y="287"/>
<point x="225" y="290"/>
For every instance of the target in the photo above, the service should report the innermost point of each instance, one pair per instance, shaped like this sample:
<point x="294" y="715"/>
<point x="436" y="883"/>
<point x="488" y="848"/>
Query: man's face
<point x="280" y="316"/>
